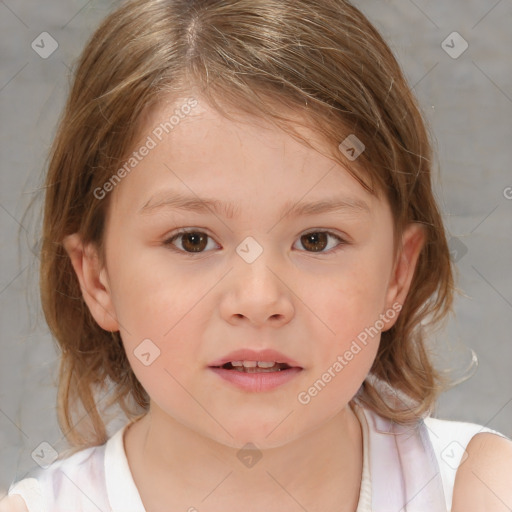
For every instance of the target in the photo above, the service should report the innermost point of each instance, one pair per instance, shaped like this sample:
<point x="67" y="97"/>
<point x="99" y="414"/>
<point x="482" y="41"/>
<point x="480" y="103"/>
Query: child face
<point x="255" y="282"/>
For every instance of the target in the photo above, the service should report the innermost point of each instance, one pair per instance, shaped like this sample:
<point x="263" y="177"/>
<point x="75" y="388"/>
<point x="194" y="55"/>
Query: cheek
<point x="347" y="339"/>
<point x="355" y="297"/>
<point x="160" y="323"/>
<point x="162" y="339"/>
<point x="350" y="303"/>
<point x="148" y="291"/>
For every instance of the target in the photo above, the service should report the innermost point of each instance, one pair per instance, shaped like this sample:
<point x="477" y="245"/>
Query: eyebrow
<point x="176" y="200"/>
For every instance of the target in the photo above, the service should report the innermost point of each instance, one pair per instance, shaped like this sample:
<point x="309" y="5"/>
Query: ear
<point x="413" y="239"/>
<point x="93" y="281"/>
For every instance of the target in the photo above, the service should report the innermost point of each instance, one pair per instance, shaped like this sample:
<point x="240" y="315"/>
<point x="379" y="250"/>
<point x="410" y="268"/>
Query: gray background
<point x="467" y="102"/>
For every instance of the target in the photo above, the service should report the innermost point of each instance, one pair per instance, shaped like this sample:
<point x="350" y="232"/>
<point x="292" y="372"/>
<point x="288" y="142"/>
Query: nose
<point x="257" y="293"/>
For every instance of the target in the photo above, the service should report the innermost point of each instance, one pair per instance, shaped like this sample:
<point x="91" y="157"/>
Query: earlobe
<point x="93" y="281"/>
<point x="413" y="240"/>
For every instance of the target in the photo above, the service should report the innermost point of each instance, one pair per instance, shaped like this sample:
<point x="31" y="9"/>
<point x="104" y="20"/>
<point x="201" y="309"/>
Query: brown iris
<point x="313" y="240"/>
<point x="194" y="242"/>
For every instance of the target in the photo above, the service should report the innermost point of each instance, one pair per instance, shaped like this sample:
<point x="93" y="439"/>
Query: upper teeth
<point x="253" y="364"/>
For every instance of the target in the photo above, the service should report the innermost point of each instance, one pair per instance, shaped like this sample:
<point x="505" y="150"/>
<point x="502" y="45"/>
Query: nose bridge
<point x="253" y="264"/>
<point x="256" y="290"/>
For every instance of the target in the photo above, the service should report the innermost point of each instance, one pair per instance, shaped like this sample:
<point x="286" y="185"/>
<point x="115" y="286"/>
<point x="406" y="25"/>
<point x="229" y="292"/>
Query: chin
<point x="264" y="434"/>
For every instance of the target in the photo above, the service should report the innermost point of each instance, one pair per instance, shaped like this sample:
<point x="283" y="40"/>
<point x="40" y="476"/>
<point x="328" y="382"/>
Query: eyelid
<point x="182" y="231"/>
<point x="342" y="240"/>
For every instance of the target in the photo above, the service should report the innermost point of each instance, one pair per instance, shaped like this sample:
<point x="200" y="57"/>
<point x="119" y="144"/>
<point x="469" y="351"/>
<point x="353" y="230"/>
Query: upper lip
<point x="246" y="354"/>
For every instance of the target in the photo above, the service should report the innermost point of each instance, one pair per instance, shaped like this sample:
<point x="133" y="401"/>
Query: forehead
<point x="197" y="151"/>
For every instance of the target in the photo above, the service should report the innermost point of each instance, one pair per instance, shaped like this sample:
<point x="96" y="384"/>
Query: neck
<point x="319" y="471"/>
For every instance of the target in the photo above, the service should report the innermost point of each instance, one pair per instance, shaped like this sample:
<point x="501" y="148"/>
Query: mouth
<point x="256" y="370"/>
<point x="255" y="366"/>
<point x="252" y="361"/>
<point x="256" y="376"/>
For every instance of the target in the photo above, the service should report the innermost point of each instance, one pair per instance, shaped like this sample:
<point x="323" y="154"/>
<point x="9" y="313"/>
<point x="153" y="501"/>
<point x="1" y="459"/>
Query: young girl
<point x="242" y="249"/>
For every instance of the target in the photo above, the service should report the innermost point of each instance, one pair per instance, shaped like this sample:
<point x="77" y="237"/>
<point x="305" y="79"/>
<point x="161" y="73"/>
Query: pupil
<point x="195" y="239"/>
<point x="315" y="238"/>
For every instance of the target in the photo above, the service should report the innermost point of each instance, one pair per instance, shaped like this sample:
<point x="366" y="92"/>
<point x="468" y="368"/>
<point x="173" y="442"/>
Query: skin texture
<point x="197" y="307"/>
<point x="14" y="503"/>
<point x="483" y="480"/>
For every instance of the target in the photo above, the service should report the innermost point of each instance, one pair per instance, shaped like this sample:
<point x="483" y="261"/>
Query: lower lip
<point x="264" y="381"/>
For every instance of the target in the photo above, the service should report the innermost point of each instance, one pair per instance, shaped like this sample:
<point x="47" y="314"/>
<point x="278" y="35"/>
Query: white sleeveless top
<point x="404" y="468"/>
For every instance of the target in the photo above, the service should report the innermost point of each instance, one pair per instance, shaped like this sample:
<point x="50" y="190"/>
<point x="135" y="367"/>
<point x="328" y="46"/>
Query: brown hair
<point x="322" y="60"/>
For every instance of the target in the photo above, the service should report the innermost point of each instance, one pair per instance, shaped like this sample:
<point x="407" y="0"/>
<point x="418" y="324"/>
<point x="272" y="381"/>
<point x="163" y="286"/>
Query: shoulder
<point x="483" y="481"/>
<point x="13" y="503"/>
<point x="25" y="496"/>
<point x="47" y="488"/>
<point x="462" y="448"/>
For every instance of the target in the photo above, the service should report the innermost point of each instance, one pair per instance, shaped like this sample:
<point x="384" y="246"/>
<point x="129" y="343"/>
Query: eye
<point x="195" y="241"/>
<point x="191" y="241"/>
<point x="317" y="241"/>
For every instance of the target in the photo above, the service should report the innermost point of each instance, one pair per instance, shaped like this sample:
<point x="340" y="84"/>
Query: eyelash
<point x="169" y="241"/>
